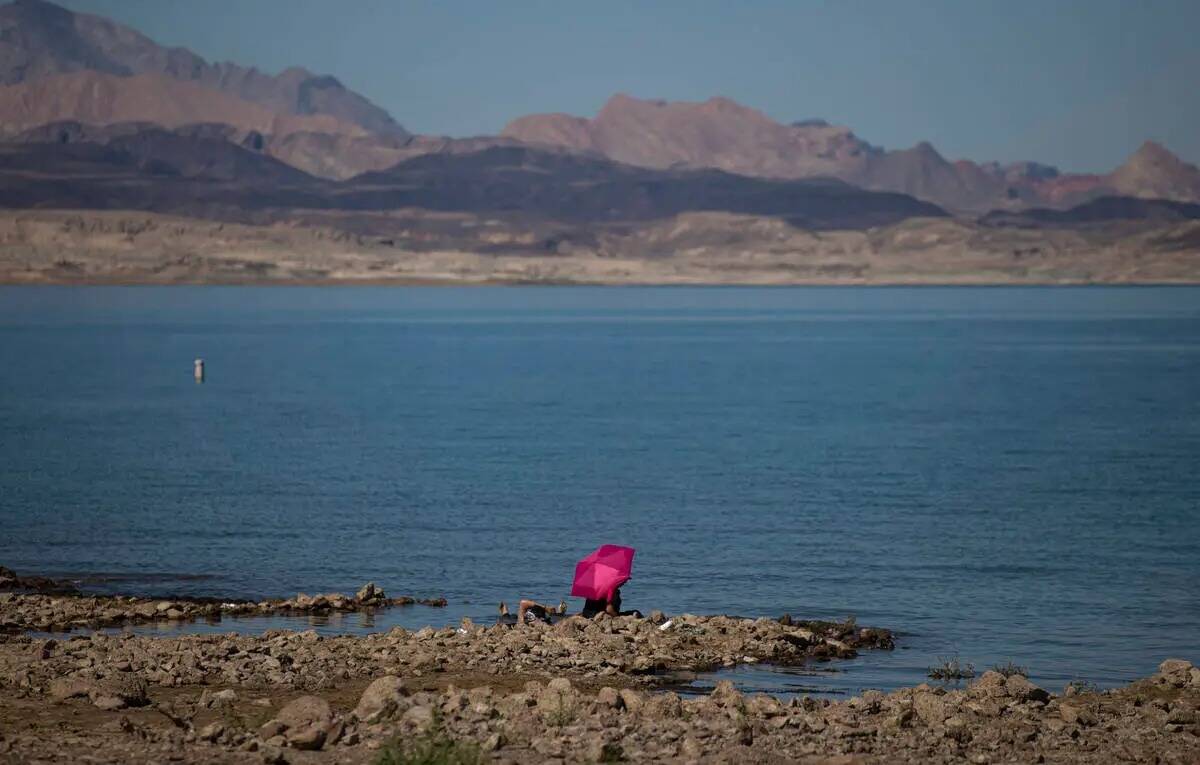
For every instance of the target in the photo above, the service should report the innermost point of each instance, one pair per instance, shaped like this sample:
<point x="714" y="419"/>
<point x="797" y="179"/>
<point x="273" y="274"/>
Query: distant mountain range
<point x="723" y="134"/>
<point x="97" y="120"/>
<point x="92" y="74"/>
<point x="198" y="171"/>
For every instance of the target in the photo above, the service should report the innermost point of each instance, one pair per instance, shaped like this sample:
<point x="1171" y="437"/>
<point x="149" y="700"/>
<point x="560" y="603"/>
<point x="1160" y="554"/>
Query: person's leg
<point x="525" y="606"/>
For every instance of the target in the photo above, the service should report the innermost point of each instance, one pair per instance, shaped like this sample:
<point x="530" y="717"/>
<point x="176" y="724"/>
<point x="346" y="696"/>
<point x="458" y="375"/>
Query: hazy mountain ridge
<point x="176" y="172"/>
<point x="718" y="133"/>
<point x="39" y="39"/>
<point x="58" y="66"/>
<point x="723" y="134"/>
<point x="97" y="118"/>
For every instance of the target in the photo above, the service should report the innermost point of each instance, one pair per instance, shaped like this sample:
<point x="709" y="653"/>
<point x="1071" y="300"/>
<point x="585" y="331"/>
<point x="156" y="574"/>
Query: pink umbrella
<point x="597" y="575"/>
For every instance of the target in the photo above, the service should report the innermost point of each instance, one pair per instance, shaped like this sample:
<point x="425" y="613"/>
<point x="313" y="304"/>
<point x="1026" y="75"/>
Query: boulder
<point x="421" y="716"/>
<point x="1077" y="715"/>
<point x="64" y="688"/>
<point x="666" y="706"/>
<point x="146" y="610"/>
<point x="762" y="705"/>
<point x="227" y="696"/>
<point x="369" y="593"/>
<point x="210" y="699"/>
<point x="380" y="700"/>
<point x="134" y="690"/>
<point x="990" y="684"/>
<point x="610" y="697"/>
<point x="210" y="732"/>
<point x="494" y="742"/>
<point x="958" y="729"/>
<point x="726" y="695"/>
<point x="1020" y="689"/>
<point x="128" y="692"/>
<point x="306" y="723"/>
<point x="632" y="699"/>
<point x="108" y="702"/>
<point x="604" y="751"/>
<point x="1174" y="666"/>
<point x="901" y="719"/>
<point x="1177" y="672"/>
<point x="930" y="706"/>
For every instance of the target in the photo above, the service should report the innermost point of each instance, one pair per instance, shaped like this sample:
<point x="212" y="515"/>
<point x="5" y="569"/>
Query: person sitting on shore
<point x="530" y="611"/>
<point x="611" y="606"/>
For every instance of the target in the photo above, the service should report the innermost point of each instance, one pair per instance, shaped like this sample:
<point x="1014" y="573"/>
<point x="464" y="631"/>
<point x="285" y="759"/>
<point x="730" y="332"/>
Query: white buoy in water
<point x="199" y="370"/>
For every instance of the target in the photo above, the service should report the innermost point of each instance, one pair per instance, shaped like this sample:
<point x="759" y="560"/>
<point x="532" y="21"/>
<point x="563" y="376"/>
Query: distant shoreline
<point x="442" y="283"/>
<point x="64" y="247"/>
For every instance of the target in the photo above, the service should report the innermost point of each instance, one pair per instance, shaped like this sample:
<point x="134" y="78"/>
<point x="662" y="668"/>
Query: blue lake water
<point x="1001" y="474"/>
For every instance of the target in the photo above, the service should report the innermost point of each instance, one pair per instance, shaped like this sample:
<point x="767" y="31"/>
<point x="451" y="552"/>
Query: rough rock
<point x="1020" y="689"/>
<point x="306" y="723"/>
<point x="108" y="702"/>
<point x="1075" y="714"/>
<point x="370" y="594"/>
<point x="380" y="700"/>
<point x="632" y="699"/>
<point x="64" y="688"/>
<point x="210" y="732"/>
<point x="610" y="697"/>
<point x="1177" y="672"/>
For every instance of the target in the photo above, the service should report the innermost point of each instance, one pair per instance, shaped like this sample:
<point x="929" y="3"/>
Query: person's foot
<point x="503" y="608"/>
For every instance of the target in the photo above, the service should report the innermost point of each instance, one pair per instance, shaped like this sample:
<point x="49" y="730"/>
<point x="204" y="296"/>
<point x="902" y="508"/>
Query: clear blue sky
<point x="1077" y="83"/>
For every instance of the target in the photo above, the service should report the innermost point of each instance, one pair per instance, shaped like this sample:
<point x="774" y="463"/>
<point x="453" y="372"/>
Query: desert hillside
<point x="455" y="248"/>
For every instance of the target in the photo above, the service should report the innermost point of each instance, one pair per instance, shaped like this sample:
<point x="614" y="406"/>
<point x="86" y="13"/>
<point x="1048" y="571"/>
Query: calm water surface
<point x="995" y="473"/>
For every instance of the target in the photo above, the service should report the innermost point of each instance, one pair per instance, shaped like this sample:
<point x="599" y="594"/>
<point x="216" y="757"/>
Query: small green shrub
<point x="1008" y="669"/>
<point x="433" y="747"/>
<point x="1079" y="687"/>
<point x="561" y="714"/>
<point x="952" y="669"/>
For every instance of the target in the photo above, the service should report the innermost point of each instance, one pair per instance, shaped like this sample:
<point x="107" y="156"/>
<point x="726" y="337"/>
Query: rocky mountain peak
<point x="39" y="39"/>
<point x="1153" y="171"/>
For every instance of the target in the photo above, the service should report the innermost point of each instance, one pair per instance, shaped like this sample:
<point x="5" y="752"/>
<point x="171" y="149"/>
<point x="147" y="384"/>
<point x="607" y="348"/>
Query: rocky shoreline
<point x="41" y="604"/>
<point x="578" y="691"/>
